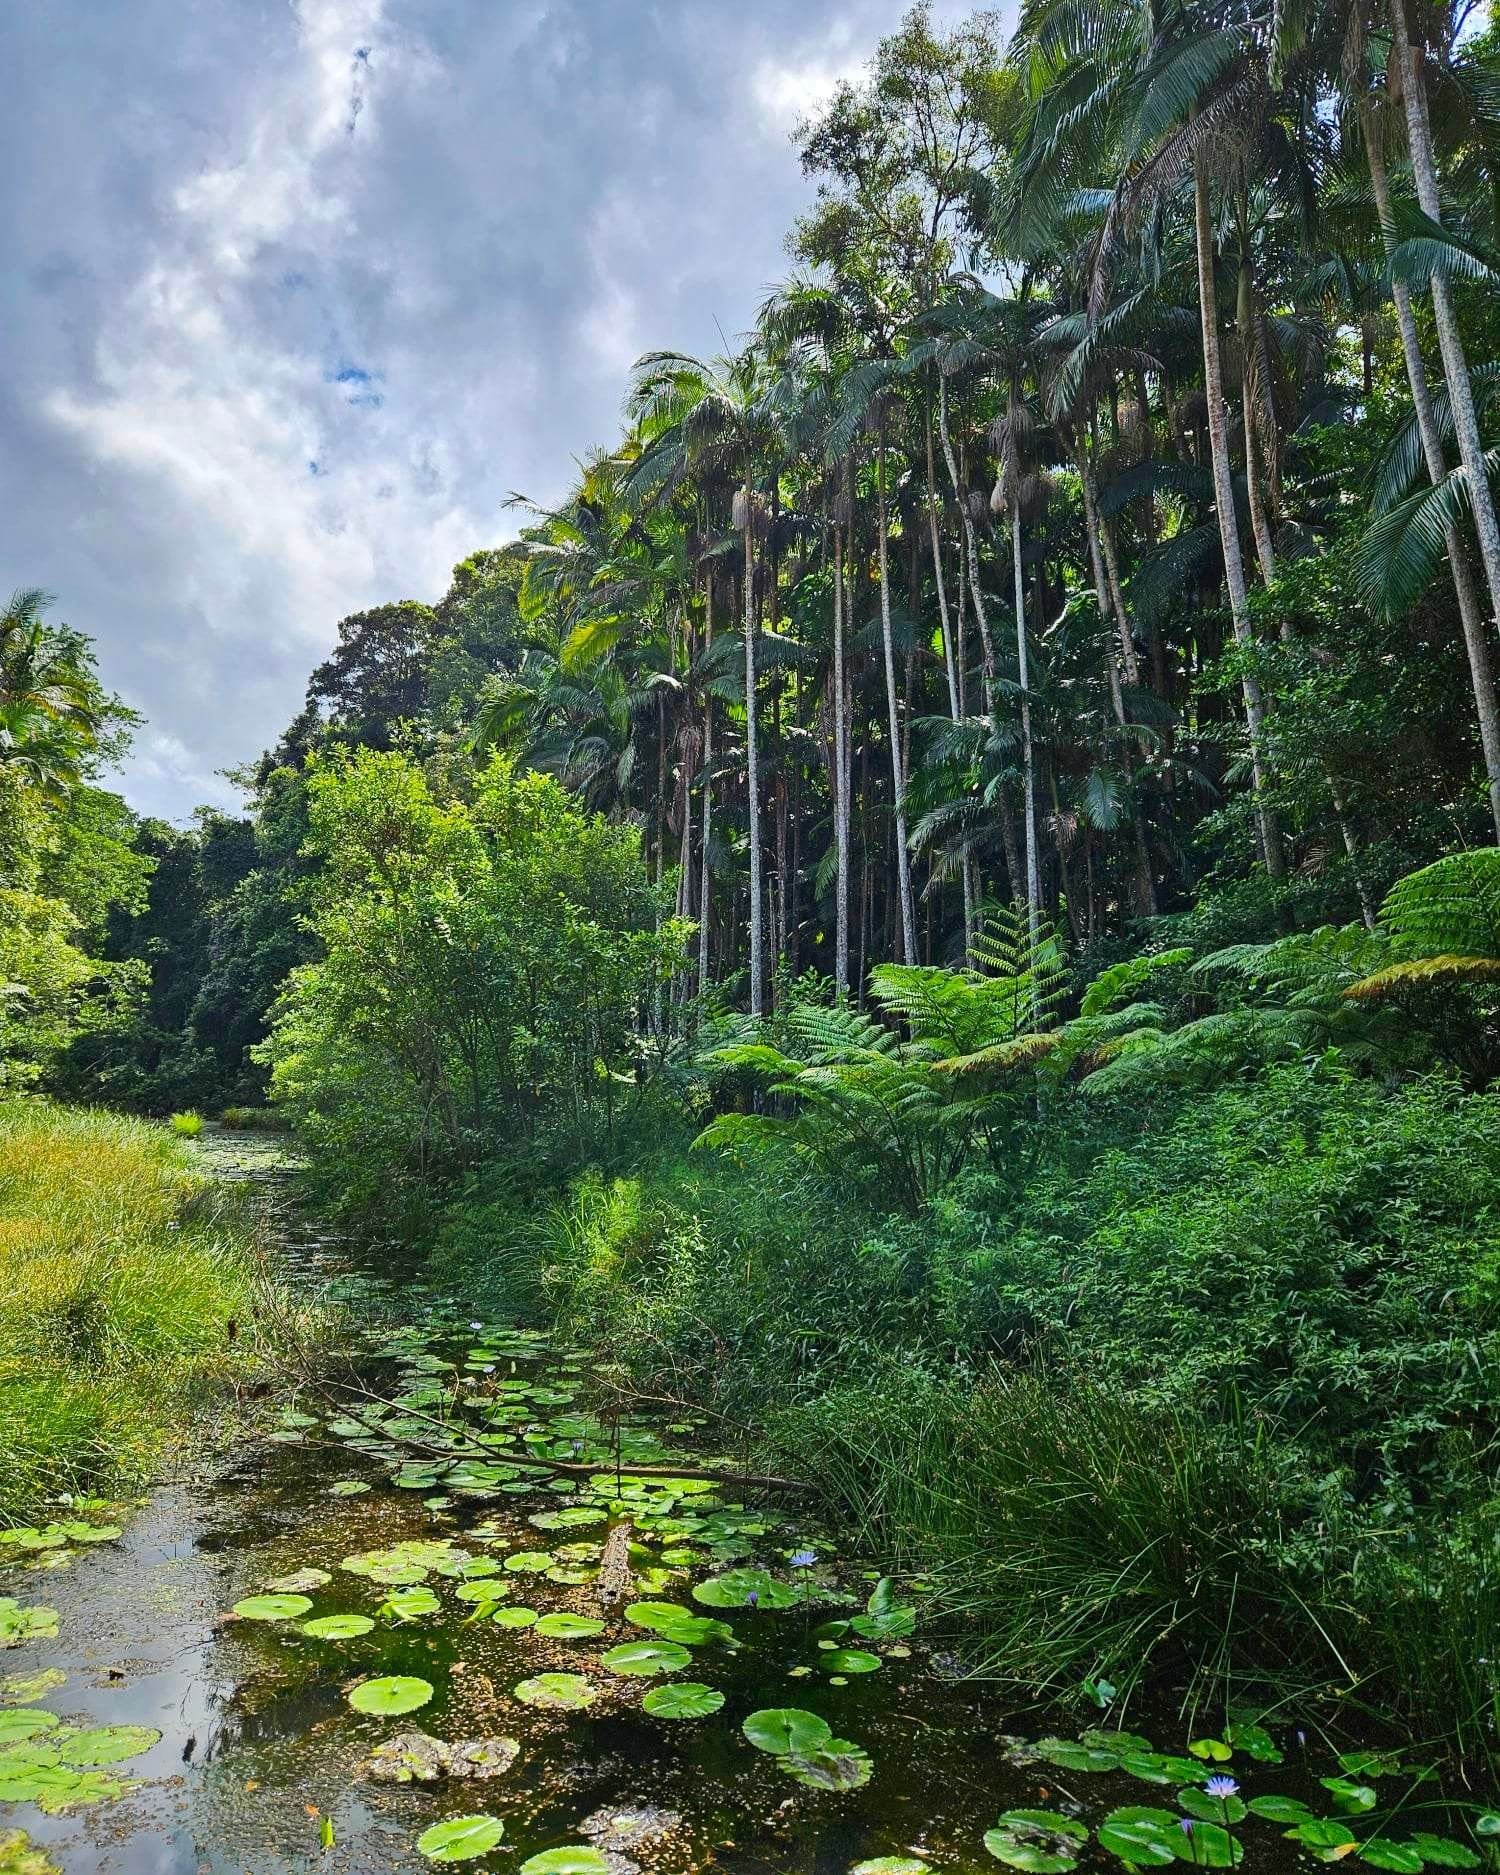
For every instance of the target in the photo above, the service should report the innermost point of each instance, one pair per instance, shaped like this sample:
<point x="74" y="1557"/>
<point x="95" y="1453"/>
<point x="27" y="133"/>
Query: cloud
<point x="304" y="292"/>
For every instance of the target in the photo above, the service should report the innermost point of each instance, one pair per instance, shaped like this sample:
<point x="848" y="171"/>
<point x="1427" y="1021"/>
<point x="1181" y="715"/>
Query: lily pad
<point x="20" y="1723"/>
<point x="1070" y="1754"/>
<point x="300" y="1582"/>
<point x="411" y="1604"/>
<point x="529" y="1561"/>
<point x="1277" y="1809"/>
<point x="18" y="1857"/>
<point x="336" y="1627"/>
<point x="567" y="1627"/>
<point x="783" y="1729"/>
<point x="641" y="1659"/>
<point x="515" y="1616"/>
<point x="1199" y="1804"/>
<point x="19" y="1689"/>
<point x="682" y="1699"/>
<point x="1039" y="1841"/>
<point x="557" y="1692"/>
<point x="1442" y="1851"/>
<point x="19" y="1625"/>
<point x="388" y="1698"/>
<point x="1380" y="1852"/>
<point x="461" y="1838"/>
<point x="573" y="1859"/>
<point x="107" y="1744"/>
<point x="348" y="1487"/>
<point x="851" y="1660"/>
<point x="1143" y="1838"/>
<point x="746" y="1588"/>
<point x="272" y="1607"/>
<point x="839" y="1764"/>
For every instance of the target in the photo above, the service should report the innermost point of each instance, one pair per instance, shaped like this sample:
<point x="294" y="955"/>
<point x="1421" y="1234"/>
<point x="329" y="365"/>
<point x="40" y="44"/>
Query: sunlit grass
<point x="129" y="1290"/>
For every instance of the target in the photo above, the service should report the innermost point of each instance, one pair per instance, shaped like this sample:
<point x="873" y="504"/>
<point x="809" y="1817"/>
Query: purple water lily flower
<point x="1185" y="1824"/>
<point x="1221" y="1786"/>
<point x="803" y="1559"/>
<point x="752" y="1600"/>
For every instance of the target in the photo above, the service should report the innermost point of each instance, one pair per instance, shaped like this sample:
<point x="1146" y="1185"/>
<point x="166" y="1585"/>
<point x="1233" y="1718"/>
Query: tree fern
<point x="1446" y="921"/>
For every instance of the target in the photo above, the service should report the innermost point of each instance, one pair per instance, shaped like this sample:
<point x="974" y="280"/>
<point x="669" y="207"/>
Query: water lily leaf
<point x="1212" y="1846"/>
<point x="746" y="1588"/>
<point x="781" y="1729"/>
<point x="1212" y="1750"/>
<point x="19" y="1723"/>
<point x="348" y="1487"/>
<point x="1322" y="1834"/>
<point x="1371" y="1764"/>
<point x="461" y="1838"/>
<point x="529" y="1561"/>
<point x="410" y="1604"/>
<point x="300" y="1582"/>
<point x="573" y="1859"/>
<point x="1442" y="1851"/>
<point x="1198" y="1803"/>
<point x="1350" y="1797"/>
<point x="644" y="1658"/>
<point x="59" y="1790"/>
<point x="571" y="1576"/>
<point x="19" y="1689"/>
<point x="1381" y="1852"/>
<point x="1071" y="1754"/>
<point x="19" y="1625"/>
<point x="1254" y="1740"/>
<point x="557" y="1692"/>
<point x="485" y="1592"/>
<point x="837" y="1765"/>
<point x="91" y="1532"/>
<point x="272" y="1607"/>
<point x="336" y="1627"/>
<point x="574" y="1517"/>
<point x="17" y="1857"/>
<point x="566" y="1627"/>
<point x="890" y="1865"/>
<point x="1038" y="1841"/>
<point x="683" y="1699"/>
<point x="1276" y="1809"/>
<point x="107" y="1744"/>
<point x="851" y="1660"/>
<point x="515" y="1616"/>
<point x="1142" y="1837"/>
<point x="389" y="1697"/>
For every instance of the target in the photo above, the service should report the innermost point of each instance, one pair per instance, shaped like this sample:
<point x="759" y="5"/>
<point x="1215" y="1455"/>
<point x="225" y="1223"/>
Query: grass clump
<point x="129" y="1288"/>
<point x="186" y="1125"/>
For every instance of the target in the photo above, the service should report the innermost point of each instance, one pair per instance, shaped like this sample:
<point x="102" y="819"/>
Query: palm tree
<point x="688" y="412"/>
<point x="51" y="709"/>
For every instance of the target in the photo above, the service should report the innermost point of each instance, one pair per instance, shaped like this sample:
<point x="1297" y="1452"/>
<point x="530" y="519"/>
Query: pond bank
<point x="753" y="1699"/>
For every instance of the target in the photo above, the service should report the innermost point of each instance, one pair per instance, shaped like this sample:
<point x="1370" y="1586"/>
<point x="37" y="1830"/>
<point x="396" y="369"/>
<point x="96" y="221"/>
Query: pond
<point x="451" y="1607"/>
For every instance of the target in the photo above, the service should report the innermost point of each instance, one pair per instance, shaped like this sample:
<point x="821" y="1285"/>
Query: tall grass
<point x="128" y="1294"/>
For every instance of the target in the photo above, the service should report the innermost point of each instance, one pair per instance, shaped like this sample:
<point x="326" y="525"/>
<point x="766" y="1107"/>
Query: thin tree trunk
<point x="704" y="890"/>
<point x="1471" y="614"/>
<point x="1260" y="525"/>
<point x="898" y="766"/>
<point x="1229" y="534"/>
<point x="752" y="769"/>
<point x="1351" y="847"/>
<point x="971" y="543"/>
<point x="1412" y="62"/>
<point x="949" y="664"/>
<point x="1028" y="757"/>
<point x="840" y="778"/>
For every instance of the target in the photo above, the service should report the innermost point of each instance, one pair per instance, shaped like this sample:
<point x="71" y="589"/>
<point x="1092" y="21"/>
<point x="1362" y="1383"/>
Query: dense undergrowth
<point x="130" y="1294"/>
<point x="1202" y="1398"/>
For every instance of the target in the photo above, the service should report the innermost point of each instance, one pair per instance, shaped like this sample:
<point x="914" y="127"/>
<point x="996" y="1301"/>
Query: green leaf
<point x="1381" y="1852"/>
<point x="1070" y="1755"/>
<point x="336" y="1627"/>
<point x="461" y="1838"/>
<point x="890" y="1865"/>
<point x="575" y="1859"/>
<point x="640" y="1659"/>
<point x="387" y="1698"/>
<point x="515" y="1617"/>
<point x="1040" y="1842"/>
<point x="746" y="1588"/>
<point x="683" y="1699"/>
<point x="567" y="1627"/>
<point x="1350" y="1797"/>
<point x="107" y="1744"/>
<point x="1198" y="1803"/>
<point x="557" y="1692"/>
<point x="272" y="1607"/>
<point x="1443" y="1852"/>
<point x="1274" y="1809"/>
<point x="411" y="1604"/>
<point x="782" y="1729"/>
<point x="851" y="1660"/>
<point x="839" y="1764"/>
<point x="19" y="1723"/>
<point x="1141" y="1837"/>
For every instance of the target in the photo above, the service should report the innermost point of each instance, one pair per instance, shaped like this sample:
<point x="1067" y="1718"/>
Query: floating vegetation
<point x="461" y="1838"/>
<point x="1038" y="1841"/>
<point x="642" y="1659"/>
<point x="337" y="1627"/>
<point x="566" y="1627"/>
<point x="19" y="1625"/>
<point x="389" y="1698"/>
<point x="557" y="1692"/>
<point x="682" y="1699"/>
<point x="19" y="1689"/>
<point x="416" y="1757"/>
<point x="574" y="1859"/>
<point x="272" y="1607"/>
<point x="59" y="1770"/>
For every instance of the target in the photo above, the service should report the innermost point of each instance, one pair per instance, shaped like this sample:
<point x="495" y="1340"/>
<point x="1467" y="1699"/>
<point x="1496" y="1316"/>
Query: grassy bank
<point x="1201" y="1402"/>
<point x="129" y="1292"/>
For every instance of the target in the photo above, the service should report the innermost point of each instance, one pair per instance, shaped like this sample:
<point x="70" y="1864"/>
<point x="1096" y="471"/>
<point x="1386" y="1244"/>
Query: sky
<point x="299" y="291"/>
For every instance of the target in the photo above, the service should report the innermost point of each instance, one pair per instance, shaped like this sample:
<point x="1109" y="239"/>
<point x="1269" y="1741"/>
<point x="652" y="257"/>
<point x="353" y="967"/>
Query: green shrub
<point x="254" y="1120"/>
<point x="186" y="1125"/>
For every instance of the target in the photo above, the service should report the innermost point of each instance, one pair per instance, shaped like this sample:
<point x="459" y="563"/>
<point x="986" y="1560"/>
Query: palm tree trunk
<point x="1245" y="320"/>
<point x="1272" y="849"/>
<point x="752" y="769"/>
<point x="971" y="543"/>
<point x="949" y="665"/>
<point x="841" y="779"/>
<point x="704" y="889"/>
<point x="898" y="766"/>
<point x="1028" y="756"/>
<point x="1476" y="637"/>
<point x="1412" y="64"/>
